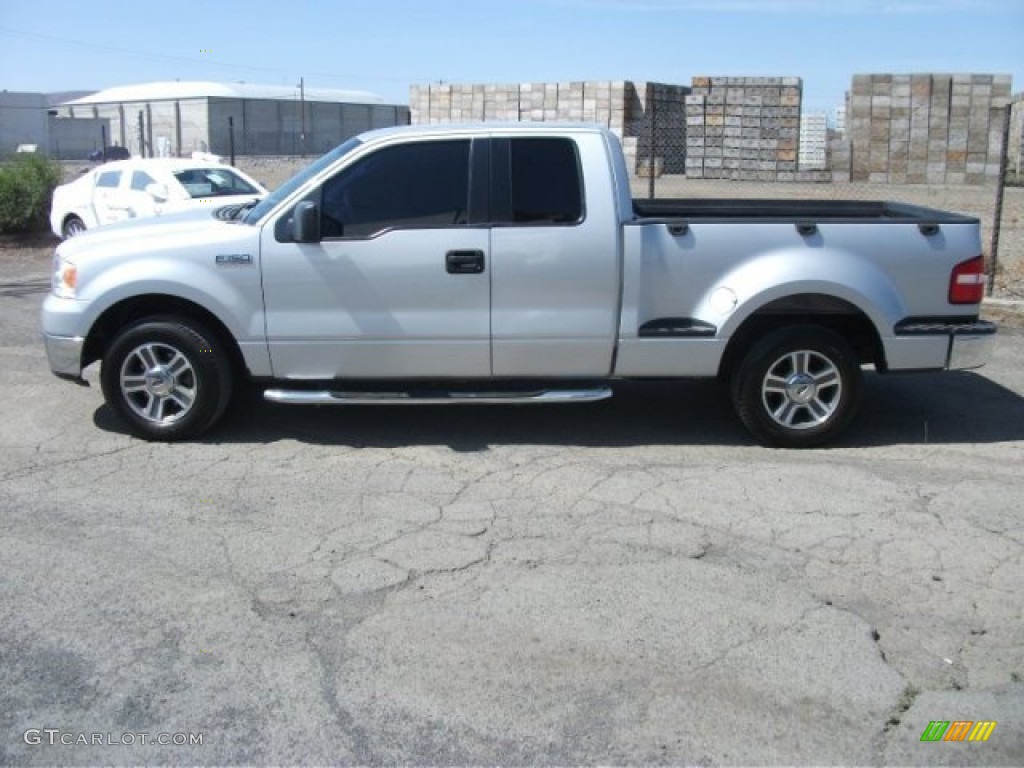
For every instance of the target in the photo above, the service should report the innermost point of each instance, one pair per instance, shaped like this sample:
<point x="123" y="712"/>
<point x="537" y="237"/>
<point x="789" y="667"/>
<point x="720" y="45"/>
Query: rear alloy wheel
<point x="73" y="226"/>
<point x="798" y="387"/>
<point x="167" y="379"/>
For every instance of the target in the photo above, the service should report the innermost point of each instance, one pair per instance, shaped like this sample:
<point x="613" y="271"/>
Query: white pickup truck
<point x="509" y="264"/>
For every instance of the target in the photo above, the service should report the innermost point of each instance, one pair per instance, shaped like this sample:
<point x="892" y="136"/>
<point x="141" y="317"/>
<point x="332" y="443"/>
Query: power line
<point x="132" y="51"/>
<point x="189" y="59"/>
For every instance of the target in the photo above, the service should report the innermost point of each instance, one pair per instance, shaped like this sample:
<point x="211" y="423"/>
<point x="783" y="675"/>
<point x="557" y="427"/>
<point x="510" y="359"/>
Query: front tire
<point x="167" y="378"/>
<point x="797" y="387"/>
<point x="73" y="226"/>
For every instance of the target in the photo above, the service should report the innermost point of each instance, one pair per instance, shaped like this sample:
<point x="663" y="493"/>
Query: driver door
<point x="398" y="285"/>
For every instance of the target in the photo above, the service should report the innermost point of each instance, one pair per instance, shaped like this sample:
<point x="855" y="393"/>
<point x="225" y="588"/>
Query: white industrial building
<point x="178" y="117"/>
<point x="29" y="121"/>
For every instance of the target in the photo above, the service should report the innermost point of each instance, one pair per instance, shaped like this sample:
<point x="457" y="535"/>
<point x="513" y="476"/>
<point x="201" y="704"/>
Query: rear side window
<point x="140" y="180"/>
<point x="108" y="179"/>
<point x="418" y="185"/>
<point x="545" y="187"/>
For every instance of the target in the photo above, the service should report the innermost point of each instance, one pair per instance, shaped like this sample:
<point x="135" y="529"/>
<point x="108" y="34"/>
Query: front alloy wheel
<point x="167" y="378"/>
<point x="797" y="387"/>
<point x="158" y="383"/>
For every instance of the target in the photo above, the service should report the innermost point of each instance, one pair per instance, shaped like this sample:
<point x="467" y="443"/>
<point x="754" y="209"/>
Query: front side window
<point x="545" y="181"/>
<point x="419" y="185"/>
<point x="108" y="179"/>
<point x="213" y="182"/>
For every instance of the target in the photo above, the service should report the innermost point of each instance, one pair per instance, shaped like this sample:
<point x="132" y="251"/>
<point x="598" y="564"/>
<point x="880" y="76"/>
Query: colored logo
<point x="958" y="730"/>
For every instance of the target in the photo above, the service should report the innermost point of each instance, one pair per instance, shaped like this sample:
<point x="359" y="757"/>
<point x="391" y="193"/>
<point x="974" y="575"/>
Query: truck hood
<point x="152" y="234"/>
<point x="192" y="255"/>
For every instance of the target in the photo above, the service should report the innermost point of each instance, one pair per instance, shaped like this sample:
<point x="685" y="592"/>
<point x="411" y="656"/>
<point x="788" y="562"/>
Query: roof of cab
<point x="484" y="128"/>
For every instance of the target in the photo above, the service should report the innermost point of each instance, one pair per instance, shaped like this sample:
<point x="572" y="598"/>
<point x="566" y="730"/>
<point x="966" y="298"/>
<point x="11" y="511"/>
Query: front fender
<point x="237" y="303"/>
<point x="213" y="264"/>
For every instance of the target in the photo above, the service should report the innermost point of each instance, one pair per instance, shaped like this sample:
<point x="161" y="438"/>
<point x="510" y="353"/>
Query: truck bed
<point x="846" y="211"/>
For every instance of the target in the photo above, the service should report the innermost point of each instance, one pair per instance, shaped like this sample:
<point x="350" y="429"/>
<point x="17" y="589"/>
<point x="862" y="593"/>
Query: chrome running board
<point x="434" y="397"/>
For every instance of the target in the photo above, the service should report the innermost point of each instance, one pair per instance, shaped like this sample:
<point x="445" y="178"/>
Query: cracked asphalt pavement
<point x="625" y="582"/>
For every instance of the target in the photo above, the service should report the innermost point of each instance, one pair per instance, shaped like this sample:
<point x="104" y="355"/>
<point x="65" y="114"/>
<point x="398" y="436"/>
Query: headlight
<point x="65" y="277"/>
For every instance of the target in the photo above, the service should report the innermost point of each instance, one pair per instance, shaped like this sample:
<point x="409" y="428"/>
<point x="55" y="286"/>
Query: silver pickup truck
<point x="510" y="264"/>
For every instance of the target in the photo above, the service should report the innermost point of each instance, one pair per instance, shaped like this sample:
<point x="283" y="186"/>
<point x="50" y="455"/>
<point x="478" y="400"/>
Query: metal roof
<point x="60" y="97"/>
<point x="202" y="89"/>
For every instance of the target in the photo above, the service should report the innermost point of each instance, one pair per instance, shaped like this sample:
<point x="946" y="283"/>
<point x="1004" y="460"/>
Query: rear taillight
<point x="967" y="282"/>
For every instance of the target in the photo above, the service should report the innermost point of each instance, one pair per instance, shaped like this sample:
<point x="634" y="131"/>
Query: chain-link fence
<point x="251" y="127"/>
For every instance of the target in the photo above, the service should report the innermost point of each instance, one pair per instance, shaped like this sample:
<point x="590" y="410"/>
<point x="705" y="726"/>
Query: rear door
<point x="139" y="202"/>
<point x="108" y="198"/>
<point x="554" y="257"/>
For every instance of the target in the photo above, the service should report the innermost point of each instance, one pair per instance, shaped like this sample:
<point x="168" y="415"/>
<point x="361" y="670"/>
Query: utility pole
<point x="997" y="214"/>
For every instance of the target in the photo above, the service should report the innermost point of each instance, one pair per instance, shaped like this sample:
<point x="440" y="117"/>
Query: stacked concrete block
<point x="1015" y="158"/>
<point x="840" y="117"/>
<point x="998" y="104"/>
<point x="576" y="101"/>
<point x="696" y="137"/>
<point x="840" y="154"/>
<point x="501" y="104"/>
<point x="624" y="107"/>
<point x="927" y="128"/>
<point x="467" y="103"/>
<point x="920" y="129"/>
<point x="813" y="141"/>
<point x="743" y="128"/>
<point x="592" y="102"/>
<point x="985" y="129"/>
<point x="939" y="106"/>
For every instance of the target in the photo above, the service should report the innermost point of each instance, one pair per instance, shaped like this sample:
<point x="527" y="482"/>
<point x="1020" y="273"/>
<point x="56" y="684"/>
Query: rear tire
<point x="797" y="387"/>
<point x="167" y="378"/>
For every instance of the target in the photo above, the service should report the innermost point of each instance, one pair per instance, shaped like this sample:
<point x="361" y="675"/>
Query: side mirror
<point x="158" y="192"/>
<point x="306" y="223"/>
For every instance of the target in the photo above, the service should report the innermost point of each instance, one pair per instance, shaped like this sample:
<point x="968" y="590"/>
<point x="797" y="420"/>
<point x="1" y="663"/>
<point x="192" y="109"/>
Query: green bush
<point x="26" y="188"/>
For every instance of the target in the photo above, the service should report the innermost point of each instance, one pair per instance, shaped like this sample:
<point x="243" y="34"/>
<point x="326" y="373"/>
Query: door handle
<point x="464" y="262"/>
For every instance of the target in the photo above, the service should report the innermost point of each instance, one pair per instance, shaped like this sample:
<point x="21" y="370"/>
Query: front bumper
<point x="64" y="354"/>
<point x="960" y="344"/>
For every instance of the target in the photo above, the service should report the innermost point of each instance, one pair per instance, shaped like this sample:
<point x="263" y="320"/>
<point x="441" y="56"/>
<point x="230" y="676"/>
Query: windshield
<point x="272" y="200"/>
